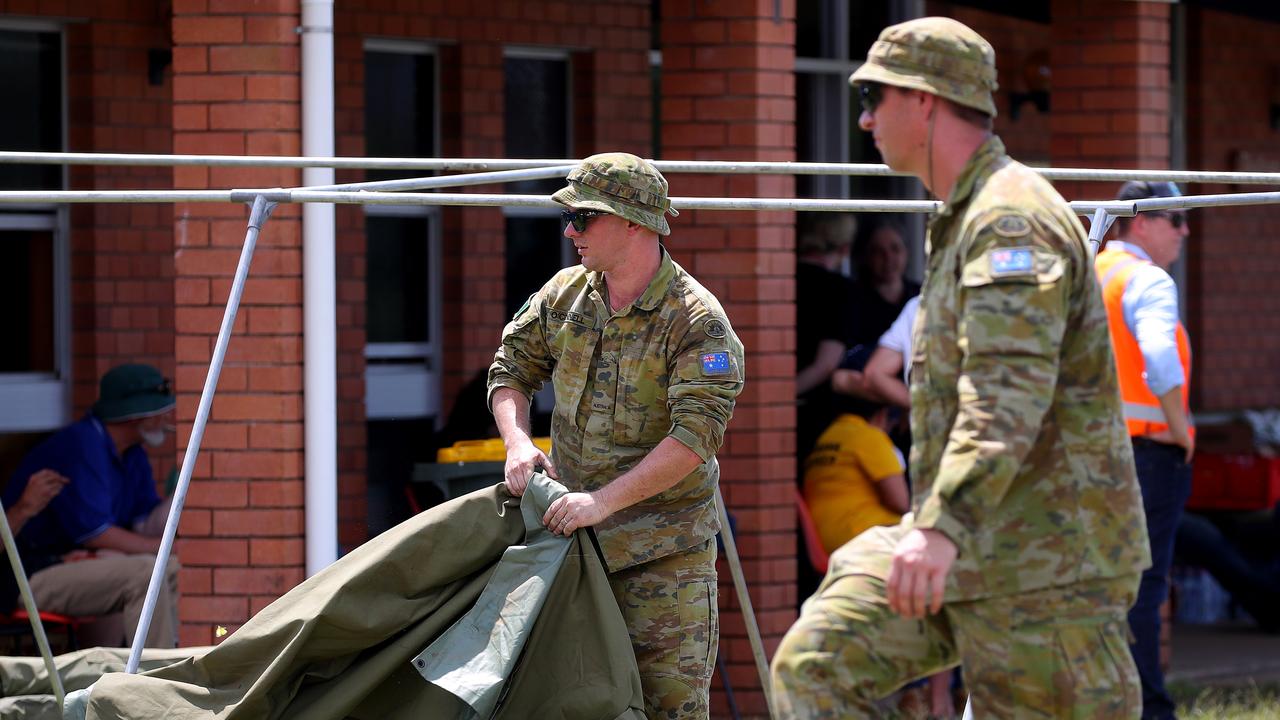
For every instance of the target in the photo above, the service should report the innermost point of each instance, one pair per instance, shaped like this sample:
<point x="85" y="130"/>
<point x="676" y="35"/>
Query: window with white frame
<point x="403" y="278"/>
<point x="832" y="38"/>
<point x="35" y="358"/>
<point x="402" y="282"/>
<point x="538" y="124"/>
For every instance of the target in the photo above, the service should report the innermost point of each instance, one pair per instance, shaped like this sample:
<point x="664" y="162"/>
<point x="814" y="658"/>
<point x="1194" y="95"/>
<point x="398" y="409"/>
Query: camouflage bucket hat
<point x="620" y="184"/>
<point x="936" y="55"/>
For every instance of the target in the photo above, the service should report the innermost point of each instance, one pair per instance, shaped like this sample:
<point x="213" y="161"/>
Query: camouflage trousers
<point x="670" y="609"/>
<point x="1058" y="652"/>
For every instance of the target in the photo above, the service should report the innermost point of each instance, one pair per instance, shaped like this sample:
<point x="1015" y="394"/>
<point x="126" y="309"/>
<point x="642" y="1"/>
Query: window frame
<point x="544" y="399"/>
<point x="523" y="52"/>
<point x="404" y="378"/>
<point x="839" y="62"/>
<point x="40" y="401"/>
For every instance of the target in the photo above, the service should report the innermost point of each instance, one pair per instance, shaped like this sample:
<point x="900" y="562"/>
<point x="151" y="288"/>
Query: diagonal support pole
<point x="29" y="602"/>
<point x="257" y="218"/>
<point x="744" y="600"/>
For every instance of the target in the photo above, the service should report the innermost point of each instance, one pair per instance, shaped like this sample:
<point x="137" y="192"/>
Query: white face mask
<point x="153" y="438"/>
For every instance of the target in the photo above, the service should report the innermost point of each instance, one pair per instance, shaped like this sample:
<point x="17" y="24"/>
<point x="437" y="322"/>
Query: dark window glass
<point x="866" y="20"/>
<point x="818" y="132"/>
<point x="26" y="282"/>
<point x="31" y="83"/>
<point x="399" y="109"/>
<point x="809" y="28"/>
<point x="537" y="116"/>
<point x="533" y="256"/>
<point x="394" y="447"/>
<point x="396" y="289"/>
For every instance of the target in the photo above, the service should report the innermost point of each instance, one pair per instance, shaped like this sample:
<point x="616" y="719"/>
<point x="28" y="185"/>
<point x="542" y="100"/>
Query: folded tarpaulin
<point x="344" y="643"/>
<point x="28" y="694"/>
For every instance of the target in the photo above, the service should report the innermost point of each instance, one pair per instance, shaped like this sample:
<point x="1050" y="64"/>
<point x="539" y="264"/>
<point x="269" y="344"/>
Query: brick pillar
<point x="1110" y="98"/>
<point x="475" y="238"/>
<point x="236" y="91"/>
<point x="728" y="92"/>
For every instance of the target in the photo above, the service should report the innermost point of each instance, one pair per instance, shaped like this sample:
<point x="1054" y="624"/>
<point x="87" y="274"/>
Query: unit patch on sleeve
<point x="1011" y="261"/>
<point x="716" y="363"/>
<point x="1011" y="226"/>
<point x="715" y="328"/>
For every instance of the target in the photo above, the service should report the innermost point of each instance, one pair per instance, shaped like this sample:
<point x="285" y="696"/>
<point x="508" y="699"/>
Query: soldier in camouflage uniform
<point x="1026" y="537"/>
<point x="646" y="369"/>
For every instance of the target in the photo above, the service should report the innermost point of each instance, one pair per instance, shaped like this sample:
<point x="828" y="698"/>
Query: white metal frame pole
<point x="29" y="602"/>
<point x="319" y="302"/>
<point x="257" y="218"/>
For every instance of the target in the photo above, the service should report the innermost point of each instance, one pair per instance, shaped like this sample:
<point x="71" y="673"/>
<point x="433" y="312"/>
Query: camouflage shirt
<point x="668" y="364"/>
<point x="1020" y="455"/>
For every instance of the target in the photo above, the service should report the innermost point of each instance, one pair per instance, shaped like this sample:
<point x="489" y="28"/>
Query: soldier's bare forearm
<point x="664" y="466"/>
<point x="511" y="414"/>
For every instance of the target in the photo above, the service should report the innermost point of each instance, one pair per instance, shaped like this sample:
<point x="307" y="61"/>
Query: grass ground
<point x="1238" y="702"/>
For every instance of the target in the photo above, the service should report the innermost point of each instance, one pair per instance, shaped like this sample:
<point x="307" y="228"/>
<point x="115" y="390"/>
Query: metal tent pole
<point x="29" y="602"/>
<point x="257" y="218"/>
<point x="666" y="166"/>
<point x="744" y="599"/>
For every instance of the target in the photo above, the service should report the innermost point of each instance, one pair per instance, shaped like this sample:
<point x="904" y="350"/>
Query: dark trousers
<point x="1165" y="478"/>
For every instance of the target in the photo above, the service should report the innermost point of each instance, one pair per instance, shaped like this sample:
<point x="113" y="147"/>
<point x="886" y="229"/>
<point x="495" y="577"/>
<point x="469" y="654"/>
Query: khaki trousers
<point x="115" y="583"/>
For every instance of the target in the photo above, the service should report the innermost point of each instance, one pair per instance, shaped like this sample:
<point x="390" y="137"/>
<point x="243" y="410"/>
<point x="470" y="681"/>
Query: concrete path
<point x="1224" y="654"/>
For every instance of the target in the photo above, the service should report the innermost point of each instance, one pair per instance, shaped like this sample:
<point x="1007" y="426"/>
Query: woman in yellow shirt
<point x="854" y="477"/>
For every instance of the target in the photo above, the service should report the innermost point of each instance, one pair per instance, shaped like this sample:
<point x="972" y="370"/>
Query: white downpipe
<point x="320" y="375"/>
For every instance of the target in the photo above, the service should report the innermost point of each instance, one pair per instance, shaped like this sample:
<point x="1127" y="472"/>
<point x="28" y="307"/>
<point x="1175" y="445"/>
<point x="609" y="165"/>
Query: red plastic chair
<point x="818" y="556"/>
<point x="19" y="621"/>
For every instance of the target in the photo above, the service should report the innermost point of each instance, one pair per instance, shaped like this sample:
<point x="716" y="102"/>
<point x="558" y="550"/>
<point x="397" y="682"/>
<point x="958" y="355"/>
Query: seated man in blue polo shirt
<point x="90" y="516"/>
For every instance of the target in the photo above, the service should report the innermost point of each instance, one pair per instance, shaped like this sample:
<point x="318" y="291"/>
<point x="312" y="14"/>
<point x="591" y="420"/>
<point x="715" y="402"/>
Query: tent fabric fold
<point x="342" y="644"/>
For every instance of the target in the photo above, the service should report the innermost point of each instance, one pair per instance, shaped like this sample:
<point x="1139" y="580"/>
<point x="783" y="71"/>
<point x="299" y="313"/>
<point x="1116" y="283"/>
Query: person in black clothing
<point x="880" y="289"/>
<point x="822" y="319"/>
<point x="1241" y="553"/>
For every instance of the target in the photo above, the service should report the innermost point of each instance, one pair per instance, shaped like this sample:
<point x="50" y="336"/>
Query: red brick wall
<point x="121" y="255"/>
<point x="1022" y="48"/>
<point x="728" y="92"/>
<point x="1232" y="256"/>
<point x="1110" y="94"/>
<point x="236" y="92"/>
<point x="611" y="111"/>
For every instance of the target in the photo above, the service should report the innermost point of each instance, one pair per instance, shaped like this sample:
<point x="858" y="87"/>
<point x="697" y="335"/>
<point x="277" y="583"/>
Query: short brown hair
<point x="972" y="116"/>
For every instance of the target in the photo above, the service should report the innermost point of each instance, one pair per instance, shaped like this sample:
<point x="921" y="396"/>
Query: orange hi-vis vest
<point x="1142" y="411"/>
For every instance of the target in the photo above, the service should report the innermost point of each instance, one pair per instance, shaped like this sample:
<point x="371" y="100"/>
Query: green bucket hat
<point x="937" y="55"/>
<point x="129" y="392"/>
<point x="620" y="184"/>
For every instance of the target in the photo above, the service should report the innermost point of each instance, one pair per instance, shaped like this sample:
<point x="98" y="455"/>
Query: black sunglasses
<point x="579" y="218"/>
<point x="1176" y="219"/>
<point x="870" y="94"/>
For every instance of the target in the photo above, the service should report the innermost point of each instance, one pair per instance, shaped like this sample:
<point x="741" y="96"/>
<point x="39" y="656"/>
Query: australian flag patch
<point x="1011" y="261"/>
<point x="716" y="363"/>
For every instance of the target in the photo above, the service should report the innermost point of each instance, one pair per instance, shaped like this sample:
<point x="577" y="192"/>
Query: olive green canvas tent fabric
<point x="344" y="644"/>
<point x="25" y="690"/>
